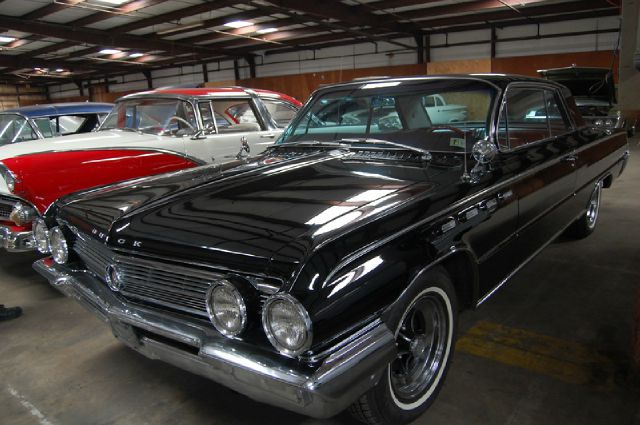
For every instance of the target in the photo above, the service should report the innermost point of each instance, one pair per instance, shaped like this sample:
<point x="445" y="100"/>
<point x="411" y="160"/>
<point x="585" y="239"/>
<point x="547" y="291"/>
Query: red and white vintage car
<point x="146" y="133"/>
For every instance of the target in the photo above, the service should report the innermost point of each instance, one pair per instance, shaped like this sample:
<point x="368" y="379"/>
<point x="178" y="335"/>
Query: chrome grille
<point x="95" y="256"/>
<point x="173" y="286"/>
<point x="164" y="284"/>
<point x="6" y="206"/>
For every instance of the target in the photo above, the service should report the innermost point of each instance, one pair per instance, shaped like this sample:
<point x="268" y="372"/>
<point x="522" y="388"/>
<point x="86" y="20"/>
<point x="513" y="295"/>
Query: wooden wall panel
<point x="471" y="66"/>
<point x="301" y="86"/>
<point x="9" y="98"/>
<point x="528" y="65"/>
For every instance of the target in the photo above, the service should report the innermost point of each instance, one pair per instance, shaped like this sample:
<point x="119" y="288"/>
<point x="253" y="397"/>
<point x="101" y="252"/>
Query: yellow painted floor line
<point x="564" y="360"/>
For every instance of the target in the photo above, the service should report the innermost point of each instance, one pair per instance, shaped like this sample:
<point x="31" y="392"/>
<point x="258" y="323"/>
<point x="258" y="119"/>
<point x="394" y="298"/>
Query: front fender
<point x="41" y="178"/>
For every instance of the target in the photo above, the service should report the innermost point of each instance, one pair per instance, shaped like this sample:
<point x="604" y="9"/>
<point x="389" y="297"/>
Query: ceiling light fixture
<point x="110" y="51"/>
<point x="59" y="70"/>
<point x="6" y="39"/>
<point x="267" y="30"/>
<point x="238" y="24"/>
<point x="114" y="2"/>
<point x="136" y="55"/>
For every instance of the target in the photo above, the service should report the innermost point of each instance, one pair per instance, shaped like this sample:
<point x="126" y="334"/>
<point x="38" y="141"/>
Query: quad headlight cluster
<point x="284" y="320"/>
<point x="606" y="122"/>
<point x="50" y="241"/>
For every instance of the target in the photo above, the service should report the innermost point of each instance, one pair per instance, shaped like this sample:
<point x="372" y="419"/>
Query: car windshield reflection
<point x="163" y="117"/>
<point x="434" y="116"/>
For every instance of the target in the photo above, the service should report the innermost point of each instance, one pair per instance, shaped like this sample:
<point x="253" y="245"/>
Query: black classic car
<point x="328" y="272"/>
<point x="594" y="92"/>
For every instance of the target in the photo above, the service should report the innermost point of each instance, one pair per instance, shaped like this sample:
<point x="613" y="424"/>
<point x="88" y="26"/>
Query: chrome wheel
<point x="594" y="206"/>
<point x="423" y="341"/>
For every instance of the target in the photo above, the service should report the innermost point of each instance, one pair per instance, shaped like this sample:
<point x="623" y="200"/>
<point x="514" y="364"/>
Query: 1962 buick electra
<point x="146" y="133"/>
<point x="329" y="272"/>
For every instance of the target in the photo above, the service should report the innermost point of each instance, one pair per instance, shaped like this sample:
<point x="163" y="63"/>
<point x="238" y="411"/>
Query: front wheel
<point x="425" y="334"/>
<point x="586" y="224"/>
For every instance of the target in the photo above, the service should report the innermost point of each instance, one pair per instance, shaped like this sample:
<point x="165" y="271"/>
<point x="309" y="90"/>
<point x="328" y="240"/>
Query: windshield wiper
<point x="314" y="143"/>
<point x="386" y="142"/>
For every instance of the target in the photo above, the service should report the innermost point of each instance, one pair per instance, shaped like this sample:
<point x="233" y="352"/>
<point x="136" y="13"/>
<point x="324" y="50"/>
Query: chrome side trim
<point x="525" y="262"/>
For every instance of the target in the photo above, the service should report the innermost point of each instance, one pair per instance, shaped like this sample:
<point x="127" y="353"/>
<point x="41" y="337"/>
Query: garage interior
<point x="555" y="346"/>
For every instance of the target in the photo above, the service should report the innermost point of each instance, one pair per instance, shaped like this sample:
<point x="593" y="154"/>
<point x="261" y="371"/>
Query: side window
<point x="526" y="116"/>
<point x="429" y="101"/>
<point x="207" y="116"/>
<point x="558" y="123"/>
<point x="281" y="112"/>
<point x="235" y="115"/>
<point x="44" y="125"/>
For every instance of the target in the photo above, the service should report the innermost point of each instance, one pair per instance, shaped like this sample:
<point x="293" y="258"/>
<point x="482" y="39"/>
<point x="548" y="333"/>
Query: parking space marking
<point x="29" y="406"/>
<point x="564" y="360"/>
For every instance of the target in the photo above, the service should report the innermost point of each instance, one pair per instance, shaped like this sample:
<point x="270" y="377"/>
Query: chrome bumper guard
<point x="321" y="393"/>
<point x="16" y="241"/>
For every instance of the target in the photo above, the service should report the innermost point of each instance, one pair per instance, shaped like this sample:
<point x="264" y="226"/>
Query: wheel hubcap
<point x="421" y="341"/>
<point x="594" y="206"/>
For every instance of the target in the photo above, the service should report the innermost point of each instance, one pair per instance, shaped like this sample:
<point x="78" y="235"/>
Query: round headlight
<point x="59" y="249"/>
<point x="227" y="309"/>
<point x="598" y="122"/>
<point x="287" y="325"/>
<point x="22" y="214"/>
<point x="41" y="236"/>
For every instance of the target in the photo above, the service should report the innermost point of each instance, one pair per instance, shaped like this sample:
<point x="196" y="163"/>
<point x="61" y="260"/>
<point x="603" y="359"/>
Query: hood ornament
<point x="244" y="147"/>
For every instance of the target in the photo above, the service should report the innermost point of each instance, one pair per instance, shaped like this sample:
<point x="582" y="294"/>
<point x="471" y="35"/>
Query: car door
<point x="227" y="123"/>
<point x="540" y="140"/>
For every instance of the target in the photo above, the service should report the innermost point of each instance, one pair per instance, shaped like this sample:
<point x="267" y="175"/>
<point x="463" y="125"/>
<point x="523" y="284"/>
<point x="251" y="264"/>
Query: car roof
<point x="35" y="111"/>
<point x="210" y="91"/>
<point x="499" y="80"/>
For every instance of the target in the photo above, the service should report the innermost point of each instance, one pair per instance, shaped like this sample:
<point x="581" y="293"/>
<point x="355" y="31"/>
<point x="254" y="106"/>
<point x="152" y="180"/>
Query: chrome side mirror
<point x="484" y="151"/>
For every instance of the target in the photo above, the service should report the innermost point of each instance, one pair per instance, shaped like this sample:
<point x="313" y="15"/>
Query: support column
<point x="251" y="60"/>
<point x="236" y="70"/>
<point x="80" y="87"/>
<point x="629" y="78"/>
<point x="205" y="73"/>
<point x="493" y="42"/>
<point x="419" y="48"/>
<point x="147" y="75"/>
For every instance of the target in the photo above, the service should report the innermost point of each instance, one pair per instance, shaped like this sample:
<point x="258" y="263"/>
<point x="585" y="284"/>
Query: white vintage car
<point x="146" y="133"/>
<point x="442" y="113"/>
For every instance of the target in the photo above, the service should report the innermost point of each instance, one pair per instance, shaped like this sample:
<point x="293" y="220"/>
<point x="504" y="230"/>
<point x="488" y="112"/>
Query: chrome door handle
<point x="570" y="158"/>
<point x="267" y="136"/>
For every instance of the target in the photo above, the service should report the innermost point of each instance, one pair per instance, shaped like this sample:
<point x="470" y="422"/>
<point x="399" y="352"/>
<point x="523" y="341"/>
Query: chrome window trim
<point x="540" y="86"/>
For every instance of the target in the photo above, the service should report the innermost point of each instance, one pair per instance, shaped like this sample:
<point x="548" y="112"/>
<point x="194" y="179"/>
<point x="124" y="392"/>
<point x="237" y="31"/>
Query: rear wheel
<point x="586" y="224"/>
<point x="425" y="334"/>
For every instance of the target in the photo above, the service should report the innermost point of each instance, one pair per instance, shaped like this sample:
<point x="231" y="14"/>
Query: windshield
<point x="164" y="117"/>
<point x="437" y="115"/>
<point x="15" y="128"/>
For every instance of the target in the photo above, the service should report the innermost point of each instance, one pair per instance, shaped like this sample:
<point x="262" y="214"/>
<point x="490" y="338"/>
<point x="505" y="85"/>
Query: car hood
<point x="96" y="140"/>
<point x="248" y="217"/>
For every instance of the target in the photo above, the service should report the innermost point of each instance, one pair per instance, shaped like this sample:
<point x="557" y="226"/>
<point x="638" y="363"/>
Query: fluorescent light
<point x="6" y="39"/>
<point x="136" y="55"/>
<point x="116" y="2"/>
<point x="59" y="70"/>
<point x="238" y="24"/>
<point x="380" y="85"/>
<point x="110" y="51"/>
<point x="267" y="30"/>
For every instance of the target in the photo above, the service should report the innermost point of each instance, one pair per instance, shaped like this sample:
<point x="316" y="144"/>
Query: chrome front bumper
<point x="336" y="383"/>
<point x="14" y="241"/>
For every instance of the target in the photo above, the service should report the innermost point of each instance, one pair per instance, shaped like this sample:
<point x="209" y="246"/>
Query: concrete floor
<point x="550" y="348"/>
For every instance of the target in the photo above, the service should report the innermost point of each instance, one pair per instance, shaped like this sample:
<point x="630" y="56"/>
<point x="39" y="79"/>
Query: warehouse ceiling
<point x="62" y="39"/>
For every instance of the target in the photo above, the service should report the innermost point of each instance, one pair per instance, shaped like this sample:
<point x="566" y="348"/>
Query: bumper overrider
<point x="336" y="383"/>
<point x="16" y="240"/>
